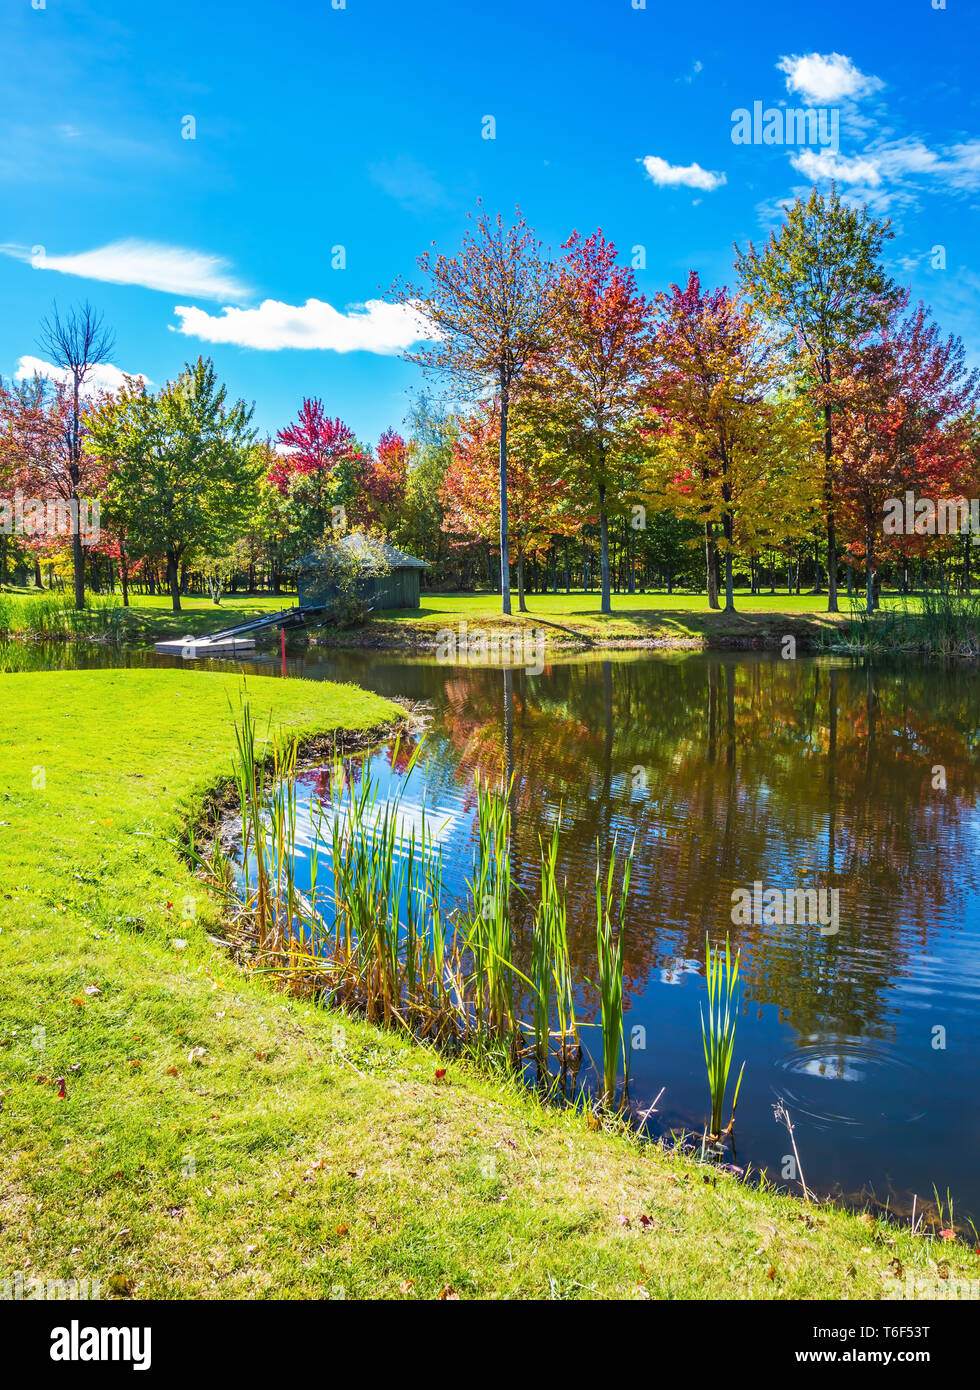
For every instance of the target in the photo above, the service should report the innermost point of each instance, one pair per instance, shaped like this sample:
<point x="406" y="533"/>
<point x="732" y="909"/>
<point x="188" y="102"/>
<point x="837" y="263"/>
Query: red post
<point x="282" y="634"/>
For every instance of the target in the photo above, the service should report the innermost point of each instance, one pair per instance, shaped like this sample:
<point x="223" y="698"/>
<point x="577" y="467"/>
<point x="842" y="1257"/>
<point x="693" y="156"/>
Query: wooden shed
<point x="387" y="577"/>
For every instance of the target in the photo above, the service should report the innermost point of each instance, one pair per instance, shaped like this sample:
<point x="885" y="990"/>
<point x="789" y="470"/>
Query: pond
<point x="736" y="775"/>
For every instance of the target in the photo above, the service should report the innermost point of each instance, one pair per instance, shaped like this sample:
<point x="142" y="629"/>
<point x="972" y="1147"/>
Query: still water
<point x="727" y="771"/>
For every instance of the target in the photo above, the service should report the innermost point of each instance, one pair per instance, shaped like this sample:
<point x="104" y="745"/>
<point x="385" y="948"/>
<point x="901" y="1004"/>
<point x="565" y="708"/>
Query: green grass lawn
<point x="566" y="618"/>
<point x="635" y="617"/>
<point x="221" y="1140"/>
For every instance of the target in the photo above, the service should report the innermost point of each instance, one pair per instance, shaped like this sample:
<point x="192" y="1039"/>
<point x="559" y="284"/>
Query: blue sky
<point x="363" y="127"/>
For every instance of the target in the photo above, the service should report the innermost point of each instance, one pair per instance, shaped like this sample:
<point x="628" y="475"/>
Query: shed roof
<point x="368" y="552"/>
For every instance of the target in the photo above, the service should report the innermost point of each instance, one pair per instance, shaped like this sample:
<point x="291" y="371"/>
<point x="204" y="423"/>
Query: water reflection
<point x="732" y="770"/>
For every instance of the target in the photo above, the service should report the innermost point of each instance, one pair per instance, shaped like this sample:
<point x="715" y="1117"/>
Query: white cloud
<point x="666" y="175"/>
<point x="174" y="269"/>
<point x="102" y="378"/>
<point x="823" y="78"/>
<point x="894" y="162"/>
<point x="372" y="327"/>
<point x="826" y="164"/>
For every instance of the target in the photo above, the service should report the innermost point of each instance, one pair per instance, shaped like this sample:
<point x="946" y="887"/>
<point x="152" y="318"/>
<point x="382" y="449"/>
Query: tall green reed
<point x="718" y="1034"/>
<point x="53" y="617"/>
<point x="488" y="931"/>
<point x="552" y="993"/>
<point x="609" y="948"/>
<point x="382" y="942"/>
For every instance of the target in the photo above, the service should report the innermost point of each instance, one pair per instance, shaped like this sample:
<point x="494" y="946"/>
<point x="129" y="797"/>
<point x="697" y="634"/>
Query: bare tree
<point x="487" y="310"/>
<point x="77" y="343"/>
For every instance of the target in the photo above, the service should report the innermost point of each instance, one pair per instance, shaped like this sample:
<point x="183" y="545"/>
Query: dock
<point x="231" y="640"/>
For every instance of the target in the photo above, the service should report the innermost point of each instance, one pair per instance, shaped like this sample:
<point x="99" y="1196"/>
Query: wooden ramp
<point x="235" y="639"/>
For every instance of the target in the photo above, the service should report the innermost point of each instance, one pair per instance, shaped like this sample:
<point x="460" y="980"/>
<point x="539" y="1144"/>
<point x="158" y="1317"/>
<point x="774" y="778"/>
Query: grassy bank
<point x="574" y="621"/>
<point x="46" y="615"/>
<point x="218" y="1140"/>
<point x="928" y="624"/>
<point x="936" y="624"/>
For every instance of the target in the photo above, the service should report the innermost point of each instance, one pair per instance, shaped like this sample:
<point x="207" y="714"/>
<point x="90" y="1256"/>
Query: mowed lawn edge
<point x="219" y="1140"/>
<point x="569" y="620"/>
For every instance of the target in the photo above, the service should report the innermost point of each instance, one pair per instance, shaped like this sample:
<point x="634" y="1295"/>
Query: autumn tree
<point x="593" y="382"/>
<point x="904" y="398"/>
<point x="734" y="449"/>
<point x="539" y="494"/>
<point x="488" y="310"/>
<point x="820" y="276"/>
<point x="37" y="429"/>
<point x="384" y="479"/>
<point x="312" y="451"/>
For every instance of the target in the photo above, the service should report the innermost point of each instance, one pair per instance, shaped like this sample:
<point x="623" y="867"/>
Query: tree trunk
<point x="504" y="550"/>
<point x="728" y="527"/>
<point x="869" y="576"/>
<point x="173" y="579"/>
<point x="831" y="524"/>
<point x="605" y="606"/>
<point x="521" y="605"/>
<point x="711" y="568"/>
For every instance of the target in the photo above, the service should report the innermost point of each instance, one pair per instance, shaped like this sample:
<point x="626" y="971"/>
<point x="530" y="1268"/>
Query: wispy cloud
<point x="409" y="183"/>
<point x="887" y="169"/>
<point x="372" y="327"/>
<point x="825" y="78"/>
<point x="102" y="378"/>
<point x="666" y="175"/>
<point x="150" y="264"/>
